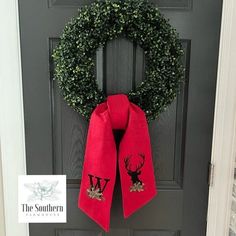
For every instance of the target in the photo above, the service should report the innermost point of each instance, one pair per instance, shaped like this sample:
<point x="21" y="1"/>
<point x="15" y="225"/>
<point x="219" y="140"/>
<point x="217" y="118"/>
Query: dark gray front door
<point x="181" y="137"/>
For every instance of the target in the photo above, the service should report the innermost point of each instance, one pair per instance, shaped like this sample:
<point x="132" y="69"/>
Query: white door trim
<point x="12" y="120"/>
<point x="12" y="139"/>
<point x="224" y="139"/>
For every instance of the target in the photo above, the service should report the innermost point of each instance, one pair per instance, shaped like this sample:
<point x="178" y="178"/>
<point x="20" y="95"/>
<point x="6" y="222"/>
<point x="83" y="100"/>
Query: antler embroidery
<point x="134" y="170"/>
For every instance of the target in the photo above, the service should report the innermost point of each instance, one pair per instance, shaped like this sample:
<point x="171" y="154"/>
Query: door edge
<point x="224" y="138"/>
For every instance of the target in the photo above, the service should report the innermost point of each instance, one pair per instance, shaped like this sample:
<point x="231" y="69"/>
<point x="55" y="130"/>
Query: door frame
<point x="12" y="135"/>
<point x="224" y="134"/>
<point x="13" y="131"/>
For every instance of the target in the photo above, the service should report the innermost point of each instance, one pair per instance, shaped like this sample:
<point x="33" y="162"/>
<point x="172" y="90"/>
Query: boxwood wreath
<point x="96" y="24"/>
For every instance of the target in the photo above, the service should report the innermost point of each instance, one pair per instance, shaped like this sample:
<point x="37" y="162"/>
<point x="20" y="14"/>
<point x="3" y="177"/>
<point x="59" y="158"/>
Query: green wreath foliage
<point x="96" y="24"/>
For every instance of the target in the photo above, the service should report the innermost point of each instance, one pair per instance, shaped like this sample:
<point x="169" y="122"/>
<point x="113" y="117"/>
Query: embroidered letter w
<point x="96" y="183"/>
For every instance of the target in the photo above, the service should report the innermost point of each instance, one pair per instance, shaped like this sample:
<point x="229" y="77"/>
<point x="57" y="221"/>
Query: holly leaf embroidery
<point x="95" y="193"/>
<point x="137" y="187"/>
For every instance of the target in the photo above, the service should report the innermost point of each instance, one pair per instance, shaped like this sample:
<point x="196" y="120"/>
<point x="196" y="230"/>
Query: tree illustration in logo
<point x="44" y="190"/>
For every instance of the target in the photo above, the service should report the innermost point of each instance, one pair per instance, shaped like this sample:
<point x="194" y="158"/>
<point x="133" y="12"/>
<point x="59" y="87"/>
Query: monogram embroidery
<point x="95" y="191"/>
<point x="133" y="166"/>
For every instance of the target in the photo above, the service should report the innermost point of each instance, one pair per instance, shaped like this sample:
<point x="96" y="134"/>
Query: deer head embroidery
<point x="133" y="166"/>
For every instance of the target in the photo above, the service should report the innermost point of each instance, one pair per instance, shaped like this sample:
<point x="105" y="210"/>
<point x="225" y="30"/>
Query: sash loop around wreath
<point x="100" y="162"/>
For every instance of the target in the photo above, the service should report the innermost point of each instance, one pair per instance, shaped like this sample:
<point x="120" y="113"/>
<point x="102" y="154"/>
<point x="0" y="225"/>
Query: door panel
<point x="77" y="233"/>
<point x="156" y="233"/>
<point x="162" y="4"/>
<point x="180" y="137"/>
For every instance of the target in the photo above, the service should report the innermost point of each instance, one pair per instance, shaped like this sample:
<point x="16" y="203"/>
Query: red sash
<point x="101" y="155"/>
